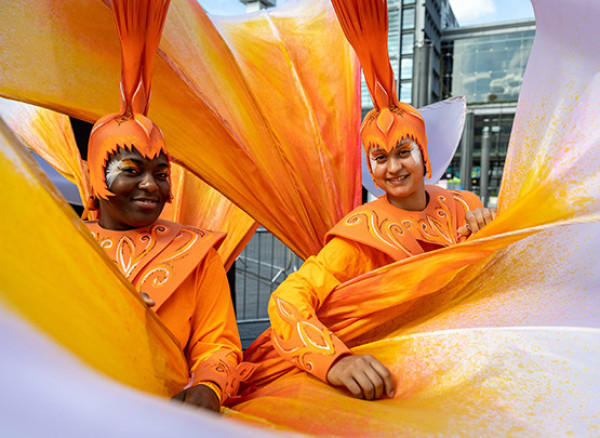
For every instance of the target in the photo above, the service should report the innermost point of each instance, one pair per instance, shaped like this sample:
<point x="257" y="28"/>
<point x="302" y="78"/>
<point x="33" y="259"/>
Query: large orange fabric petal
<point x="197" y="204"/>
<point x="489" y="382"/>
<point x="242" y="103"/>
<point x="50" y="135"/>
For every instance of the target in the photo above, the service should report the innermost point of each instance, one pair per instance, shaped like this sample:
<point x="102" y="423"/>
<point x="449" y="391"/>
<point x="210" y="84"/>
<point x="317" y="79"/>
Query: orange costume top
<point x="371" y="236"/>
<point x="179" y="268"/>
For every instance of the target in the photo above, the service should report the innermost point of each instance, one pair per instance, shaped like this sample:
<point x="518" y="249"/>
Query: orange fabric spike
<point x="139" y="26"/>
<point x="365" y="24"/>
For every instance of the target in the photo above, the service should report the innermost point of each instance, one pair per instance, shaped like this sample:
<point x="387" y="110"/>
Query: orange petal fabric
<point x="50" y="135"/>
<point x="195" y="203"/>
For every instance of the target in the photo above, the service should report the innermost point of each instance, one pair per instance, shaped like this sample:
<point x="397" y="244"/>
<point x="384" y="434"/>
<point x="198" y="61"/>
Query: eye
<point x="404" y="152"/>
<point x="162" y="175"/>
<point x="379" y="158"/>
<point x="131" y="171"/>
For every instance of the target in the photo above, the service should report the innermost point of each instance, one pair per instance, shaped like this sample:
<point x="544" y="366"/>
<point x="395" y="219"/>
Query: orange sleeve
<point x="297" y="334"/>
<point x="214" y="348"/>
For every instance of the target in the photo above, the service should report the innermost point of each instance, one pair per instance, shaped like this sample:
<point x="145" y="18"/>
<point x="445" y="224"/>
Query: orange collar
<point x="156" y="259"/>
<point x="400" y="233"/>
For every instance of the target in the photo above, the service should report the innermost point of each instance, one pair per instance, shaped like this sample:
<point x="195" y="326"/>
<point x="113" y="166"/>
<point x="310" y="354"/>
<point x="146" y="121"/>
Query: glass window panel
<point x="408" y="18"/>
<point x="486" y="69"/>
<point x="408" y="44"/>
<point x="406" y="92"/>
<point x="406" y="68"/>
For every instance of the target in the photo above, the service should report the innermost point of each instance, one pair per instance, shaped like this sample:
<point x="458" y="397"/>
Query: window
<point x="406" y="68"/>
<point x="408" y="44"/>
<point x="406" y="92"/>
<point x="408" y="18"/>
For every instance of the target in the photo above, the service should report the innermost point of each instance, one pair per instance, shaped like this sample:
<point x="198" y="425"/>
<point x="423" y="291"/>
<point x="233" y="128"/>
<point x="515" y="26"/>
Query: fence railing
<point x="259" y="270"/>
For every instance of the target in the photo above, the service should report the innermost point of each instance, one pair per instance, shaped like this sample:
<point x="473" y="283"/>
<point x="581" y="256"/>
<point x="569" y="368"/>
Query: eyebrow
<point x="140" y="162"/>
<point x="133" y="160"/>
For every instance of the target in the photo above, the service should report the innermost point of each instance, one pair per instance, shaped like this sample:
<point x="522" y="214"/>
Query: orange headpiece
<point x="365" y="23"/>
<point x="139" y="25"/>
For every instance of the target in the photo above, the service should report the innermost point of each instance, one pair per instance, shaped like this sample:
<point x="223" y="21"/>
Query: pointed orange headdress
<point x="365" y="24"/>
<point x="139" y="25"/>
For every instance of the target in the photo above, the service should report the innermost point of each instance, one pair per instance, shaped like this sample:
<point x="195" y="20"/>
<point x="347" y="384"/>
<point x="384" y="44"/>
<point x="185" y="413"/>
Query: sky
<point x="468" y="12"/>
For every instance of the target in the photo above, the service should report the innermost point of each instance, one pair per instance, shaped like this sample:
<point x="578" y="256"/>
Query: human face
<point x="400" y="173"/>
<point x="140" y="186"/>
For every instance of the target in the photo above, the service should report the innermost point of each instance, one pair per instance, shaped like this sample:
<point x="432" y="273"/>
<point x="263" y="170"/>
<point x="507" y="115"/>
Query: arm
<point x="299" y="336"/>
<point x="214" y="348"/>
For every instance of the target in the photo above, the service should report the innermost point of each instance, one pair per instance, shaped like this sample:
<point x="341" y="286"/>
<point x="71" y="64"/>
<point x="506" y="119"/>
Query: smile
<point x="398" y="179"/>
<point x="146" y="203"/>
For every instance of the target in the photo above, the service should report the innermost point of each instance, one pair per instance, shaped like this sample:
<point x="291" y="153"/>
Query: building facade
<point x="415" y="49"/>
<point x="486" y="64"/>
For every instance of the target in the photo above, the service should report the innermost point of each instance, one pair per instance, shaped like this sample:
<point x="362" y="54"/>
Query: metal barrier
<point x="259" y="270"/>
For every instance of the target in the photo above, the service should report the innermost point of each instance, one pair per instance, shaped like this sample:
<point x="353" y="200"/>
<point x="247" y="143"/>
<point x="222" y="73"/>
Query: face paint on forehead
<point x="116" y="167"/>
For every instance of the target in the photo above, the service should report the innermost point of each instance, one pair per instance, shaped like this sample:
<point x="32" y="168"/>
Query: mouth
<point x="397" y="180"/>
<point x="146" y="203"/>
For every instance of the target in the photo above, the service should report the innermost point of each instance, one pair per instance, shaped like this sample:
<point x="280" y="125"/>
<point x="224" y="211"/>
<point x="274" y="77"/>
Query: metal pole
<point x="421" y="58"/>
<point x="466" y="151"/>
<point x="485" y="165"/>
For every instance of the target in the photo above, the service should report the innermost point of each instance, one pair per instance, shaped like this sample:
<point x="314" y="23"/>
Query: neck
<point x="415" y="202"/>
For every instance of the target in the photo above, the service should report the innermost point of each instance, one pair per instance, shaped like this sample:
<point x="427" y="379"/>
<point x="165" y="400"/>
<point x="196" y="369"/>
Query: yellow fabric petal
<point x="50" y="135"/>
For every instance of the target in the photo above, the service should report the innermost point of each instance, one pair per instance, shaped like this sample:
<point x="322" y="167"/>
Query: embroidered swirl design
<point x="157" y="277"/>
<point x="184" y="245"/>
<point x="377" y="228"/>
<point x="434" y="225"/>
<point x="307" y="338"/>
<point x="106" y="243"/>
<point x="129" y="255"/>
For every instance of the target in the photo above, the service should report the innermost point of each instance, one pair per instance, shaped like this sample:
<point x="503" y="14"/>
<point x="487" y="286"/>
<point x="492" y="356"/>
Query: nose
<point x="148" y="183"/>
<point x="394" y="165"/>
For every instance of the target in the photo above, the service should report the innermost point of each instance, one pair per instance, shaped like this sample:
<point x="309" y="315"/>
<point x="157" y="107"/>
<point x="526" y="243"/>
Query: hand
<point x="476" y="220"/>
<point x="201" y="396"/>
<point x="149" y="301"/>
<point x="363" y="375"/>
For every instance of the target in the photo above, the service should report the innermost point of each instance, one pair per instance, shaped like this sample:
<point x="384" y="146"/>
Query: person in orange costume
<point x="175" y="267"/>
<point x="410" y="219"/>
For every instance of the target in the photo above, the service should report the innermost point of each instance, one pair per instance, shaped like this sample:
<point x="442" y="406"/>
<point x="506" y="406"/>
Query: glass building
<point x="485" y="64"/>
<point x="414" y="46"/>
